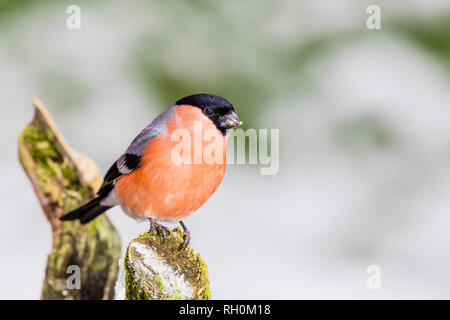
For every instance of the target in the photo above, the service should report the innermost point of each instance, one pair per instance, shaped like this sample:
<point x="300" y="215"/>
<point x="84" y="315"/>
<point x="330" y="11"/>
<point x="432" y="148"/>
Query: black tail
<point x="87" y="212"/>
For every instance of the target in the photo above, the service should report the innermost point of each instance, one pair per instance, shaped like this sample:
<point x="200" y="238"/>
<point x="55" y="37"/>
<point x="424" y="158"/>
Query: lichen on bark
<point x="62" y="180"/>
<point x="157" y="270"/>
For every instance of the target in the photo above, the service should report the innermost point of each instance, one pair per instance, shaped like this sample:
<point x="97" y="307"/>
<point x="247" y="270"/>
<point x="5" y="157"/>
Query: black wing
<point x="124" y="165"/>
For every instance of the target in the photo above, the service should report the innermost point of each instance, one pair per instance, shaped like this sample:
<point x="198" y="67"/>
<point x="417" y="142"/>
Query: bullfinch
<point x="155" y="178"/>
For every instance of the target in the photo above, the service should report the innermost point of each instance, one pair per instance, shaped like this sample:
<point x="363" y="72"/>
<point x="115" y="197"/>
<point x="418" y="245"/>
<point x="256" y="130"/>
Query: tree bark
<point x="63" y="180"/>
<point x="157" y="270"/>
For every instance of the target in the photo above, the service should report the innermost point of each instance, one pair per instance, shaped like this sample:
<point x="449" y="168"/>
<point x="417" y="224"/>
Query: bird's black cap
<point x="219" y="110"/>
<point x="202" y="100"/>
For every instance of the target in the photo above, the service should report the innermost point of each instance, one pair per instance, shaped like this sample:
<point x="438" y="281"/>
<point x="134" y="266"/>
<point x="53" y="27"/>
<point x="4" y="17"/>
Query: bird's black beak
<point x="230" y="120"/>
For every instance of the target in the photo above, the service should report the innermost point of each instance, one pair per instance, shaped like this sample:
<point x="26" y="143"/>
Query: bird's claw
<point x="186" y="240"/>
<point x="163" y="229"/>
<point x="186" y="236"/>
<point x="159" y="228"/>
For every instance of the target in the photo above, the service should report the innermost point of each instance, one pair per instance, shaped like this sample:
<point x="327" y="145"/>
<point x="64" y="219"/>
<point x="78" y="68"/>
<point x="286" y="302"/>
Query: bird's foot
<point x="186" y="236"/>
<point x="159" y="228"/>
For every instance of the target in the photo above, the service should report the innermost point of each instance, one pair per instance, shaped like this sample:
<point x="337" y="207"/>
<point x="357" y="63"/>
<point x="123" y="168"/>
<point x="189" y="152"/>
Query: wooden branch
<point x="161" y="271"/>
<point x="62" y="180"/>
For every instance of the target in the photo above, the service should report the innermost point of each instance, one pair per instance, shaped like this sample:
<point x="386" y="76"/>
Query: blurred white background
<point x="364" y="119"/>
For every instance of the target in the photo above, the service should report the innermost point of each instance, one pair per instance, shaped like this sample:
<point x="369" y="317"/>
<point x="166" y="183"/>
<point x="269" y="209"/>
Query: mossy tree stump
<point x="62" y="180"/>
<point x="157" y="270"/>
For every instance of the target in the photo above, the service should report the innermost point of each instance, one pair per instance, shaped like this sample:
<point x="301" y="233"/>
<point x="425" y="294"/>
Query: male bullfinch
<point x="146" y="181"/>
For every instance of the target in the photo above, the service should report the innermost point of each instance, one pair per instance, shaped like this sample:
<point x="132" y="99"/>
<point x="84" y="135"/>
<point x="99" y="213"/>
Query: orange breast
<point x="164" y="187"/>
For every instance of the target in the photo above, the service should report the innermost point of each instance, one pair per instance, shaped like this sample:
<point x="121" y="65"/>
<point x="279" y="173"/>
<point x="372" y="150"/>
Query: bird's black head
<point x="219" y="110"/>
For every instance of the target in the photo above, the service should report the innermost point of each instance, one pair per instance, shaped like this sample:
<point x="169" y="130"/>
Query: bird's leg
<point x="159" y="228"/>
<point x="186" y="235"/>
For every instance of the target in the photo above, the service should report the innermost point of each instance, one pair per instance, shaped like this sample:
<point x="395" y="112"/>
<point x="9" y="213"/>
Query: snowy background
<point x="364" y="119"/>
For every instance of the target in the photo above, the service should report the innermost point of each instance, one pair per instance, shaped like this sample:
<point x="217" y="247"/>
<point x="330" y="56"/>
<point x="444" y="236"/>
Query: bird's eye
<point x="209" y="111"/>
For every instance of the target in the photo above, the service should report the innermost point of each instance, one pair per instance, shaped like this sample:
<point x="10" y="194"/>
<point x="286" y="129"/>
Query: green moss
<point x="133" y="290"/>
<point x="94" y="247"/>
<point x="185" y="264"/>
<point x="205" y="294"/>
<point x="56" y="176"/>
